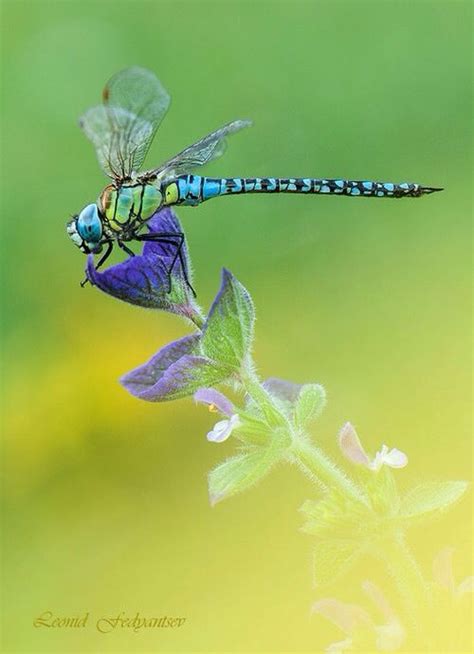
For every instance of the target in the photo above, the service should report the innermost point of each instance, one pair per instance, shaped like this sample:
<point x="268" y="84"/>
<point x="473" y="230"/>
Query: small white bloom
<point x="359" y="626"/>
<point x="223" y="429"/>
<point x="393" y="458"/>
<point x="353" y="450"/>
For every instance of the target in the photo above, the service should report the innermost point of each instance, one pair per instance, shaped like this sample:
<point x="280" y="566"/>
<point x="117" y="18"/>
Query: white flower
<point x="223" y="429"/>
<point x="393" y="458"/>
<point x="387" y="633"/>
<point x="352" y="449"/>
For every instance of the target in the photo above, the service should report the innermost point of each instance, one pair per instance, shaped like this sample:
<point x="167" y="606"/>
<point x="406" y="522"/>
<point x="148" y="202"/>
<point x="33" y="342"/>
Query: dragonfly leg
<point x="126" y="249"/>
<point x="164" y="237"/>
<point x="105" y="256"/>
<point x="102" y="260"/>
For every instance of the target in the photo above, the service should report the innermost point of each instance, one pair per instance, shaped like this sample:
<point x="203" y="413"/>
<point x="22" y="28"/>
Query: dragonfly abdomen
<point x="194" y="189"/>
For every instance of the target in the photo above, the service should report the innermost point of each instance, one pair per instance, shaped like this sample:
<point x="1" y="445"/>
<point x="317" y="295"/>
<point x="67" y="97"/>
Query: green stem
<point x="194" y="313"/>
<point x="313" y="461"/>
<point x="394" y="550"/>
<point x="310" y="459"/>
<point x="252" y="386"/>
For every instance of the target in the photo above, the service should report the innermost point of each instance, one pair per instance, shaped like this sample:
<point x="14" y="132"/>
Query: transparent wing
<point x="210" y="147"/>
<point x="123" y="127"/>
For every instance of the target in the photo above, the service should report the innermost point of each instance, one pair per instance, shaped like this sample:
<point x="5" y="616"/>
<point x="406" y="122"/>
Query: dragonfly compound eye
<point x="89" y="225"/>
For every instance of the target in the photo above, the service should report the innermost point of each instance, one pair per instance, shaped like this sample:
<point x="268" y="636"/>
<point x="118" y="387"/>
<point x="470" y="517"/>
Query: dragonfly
<point x="122" y="128"/>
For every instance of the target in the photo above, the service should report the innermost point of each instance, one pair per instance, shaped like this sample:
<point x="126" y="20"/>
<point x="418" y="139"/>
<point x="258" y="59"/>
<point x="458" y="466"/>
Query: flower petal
<point x="351" y="446"/>
<point x="144" y="377"/>
<point x="139" y="280"/>
<point x="212" y="397"/>
<point x="144" y="279"/>
<point x="223" y="429"/>
<point x="177" y="370"/>
<point x="220" y="432"/>
<point x="395" y="458"/>
<point x="286" y="391"/>
<point x="164" y="221"/>
<point x="183" y="378"/>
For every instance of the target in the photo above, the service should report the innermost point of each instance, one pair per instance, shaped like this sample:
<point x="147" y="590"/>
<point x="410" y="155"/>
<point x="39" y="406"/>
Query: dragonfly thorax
<point x="123" y="206"/>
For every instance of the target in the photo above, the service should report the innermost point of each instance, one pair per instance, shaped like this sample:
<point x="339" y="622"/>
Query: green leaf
<point x="333" y="558"/>
<point x="336" y="516"/>
<point x="228" y="331"/>
<point x="310" y="403"/>
<point x="382" y="491"/>
<point x="240" y="472"/>
<point x="430" y="497"/>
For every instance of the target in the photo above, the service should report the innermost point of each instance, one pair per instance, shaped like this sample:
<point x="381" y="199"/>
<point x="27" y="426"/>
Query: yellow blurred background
<point x="105" y="504"/>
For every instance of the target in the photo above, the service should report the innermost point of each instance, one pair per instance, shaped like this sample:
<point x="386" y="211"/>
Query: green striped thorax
<point x="119" y="206"/>
<point x="117" y="211"/>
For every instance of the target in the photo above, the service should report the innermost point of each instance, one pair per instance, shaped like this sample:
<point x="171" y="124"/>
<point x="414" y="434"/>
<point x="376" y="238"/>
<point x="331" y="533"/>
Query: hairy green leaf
<point x="433" y="496"/>
<point x="228" y="331"/>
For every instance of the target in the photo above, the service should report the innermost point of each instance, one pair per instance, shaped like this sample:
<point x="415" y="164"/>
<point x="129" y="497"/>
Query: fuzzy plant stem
<point x="301" y="451"/>
<point x="317" y="465"/>
<point x="254" y="389"/>
<point x="195" y="315"/>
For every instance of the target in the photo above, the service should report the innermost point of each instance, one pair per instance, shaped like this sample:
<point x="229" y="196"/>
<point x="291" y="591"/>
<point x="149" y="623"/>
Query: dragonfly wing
<point x="123" y="127"/>
<point x="206" y="149"/>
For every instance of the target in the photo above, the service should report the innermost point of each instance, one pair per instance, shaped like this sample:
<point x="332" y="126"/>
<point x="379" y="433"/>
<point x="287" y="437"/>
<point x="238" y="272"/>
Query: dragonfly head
<point x="85" y="230"/>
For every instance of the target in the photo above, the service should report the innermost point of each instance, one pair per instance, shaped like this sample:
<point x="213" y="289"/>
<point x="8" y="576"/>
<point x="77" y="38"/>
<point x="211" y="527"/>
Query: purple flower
<point x="147" y="279"/>
<point x="196" y="362"/>
<point x="284" y="390"/>
<point x="215" y="400"/>
<point x="177" y="370"/>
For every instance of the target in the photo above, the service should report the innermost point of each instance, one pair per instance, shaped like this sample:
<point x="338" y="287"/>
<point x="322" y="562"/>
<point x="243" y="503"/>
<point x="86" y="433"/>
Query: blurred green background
<point x="105" y="500"/>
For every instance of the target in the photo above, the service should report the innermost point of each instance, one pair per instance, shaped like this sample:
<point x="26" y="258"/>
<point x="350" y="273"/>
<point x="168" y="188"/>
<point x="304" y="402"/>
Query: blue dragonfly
<point x="122" y="128"/>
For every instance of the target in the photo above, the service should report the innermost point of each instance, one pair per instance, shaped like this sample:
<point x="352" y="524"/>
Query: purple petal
<point x="351" y="446"/>
<point x="214" y="398"/>
<point x="282" y="389"/>
<point x="138" y="280"/>
<point x="144" y="377"/>
<point x="143" y="280"/>
<point x="183" y="377"/>
<point x="164" y="221"/>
